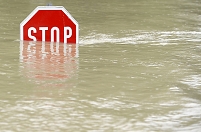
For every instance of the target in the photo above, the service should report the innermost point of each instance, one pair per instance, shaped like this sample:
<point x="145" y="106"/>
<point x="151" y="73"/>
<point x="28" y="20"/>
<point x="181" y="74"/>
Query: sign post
<point x="50" y="24"/>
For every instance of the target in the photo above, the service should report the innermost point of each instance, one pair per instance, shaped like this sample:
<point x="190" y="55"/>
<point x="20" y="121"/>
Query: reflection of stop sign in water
<point x="50" y="23"/>
<point x="42" y="61"/>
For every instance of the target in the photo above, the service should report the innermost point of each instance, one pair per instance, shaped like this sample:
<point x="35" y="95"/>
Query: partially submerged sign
<point x="51" y="24"/>
<point x="49" y="59"/>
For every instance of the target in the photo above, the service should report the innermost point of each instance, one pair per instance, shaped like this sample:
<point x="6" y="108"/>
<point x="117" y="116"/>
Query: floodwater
<point x="139" y="69"/>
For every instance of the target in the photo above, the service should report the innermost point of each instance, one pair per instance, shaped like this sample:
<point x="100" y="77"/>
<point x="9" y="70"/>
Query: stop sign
<point x="50" y="23"/>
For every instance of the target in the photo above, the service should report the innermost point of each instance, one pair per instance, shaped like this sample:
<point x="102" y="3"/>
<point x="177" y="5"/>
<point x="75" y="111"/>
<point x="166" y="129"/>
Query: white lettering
<point x="67" y="33"/>
<point x="43" y="29"/>
<point x="29" y="33"/>
<point x="57" y="34"/>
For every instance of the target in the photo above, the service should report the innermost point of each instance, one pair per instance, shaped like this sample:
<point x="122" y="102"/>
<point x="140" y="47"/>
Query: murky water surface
<point x="139" y="69"/>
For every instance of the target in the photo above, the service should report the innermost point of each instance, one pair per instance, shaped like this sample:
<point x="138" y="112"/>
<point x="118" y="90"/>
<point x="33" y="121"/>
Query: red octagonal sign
<point x="50" y="23"/>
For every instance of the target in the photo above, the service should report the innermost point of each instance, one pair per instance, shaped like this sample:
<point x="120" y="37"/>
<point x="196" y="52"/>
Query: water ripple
<point x="142" y="37"/>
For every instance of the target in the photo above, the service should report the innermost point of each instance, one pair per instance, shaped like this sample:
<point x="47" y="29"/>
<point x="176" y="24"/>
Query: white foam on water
<point x="142" y="37"/>
<point x="193" y="81"/>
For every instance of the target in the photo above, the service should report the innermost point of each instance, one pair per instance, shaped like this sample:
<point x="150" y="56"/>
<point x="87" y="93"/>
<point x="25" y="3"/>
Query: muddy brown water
<point x="139" y="69"/>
